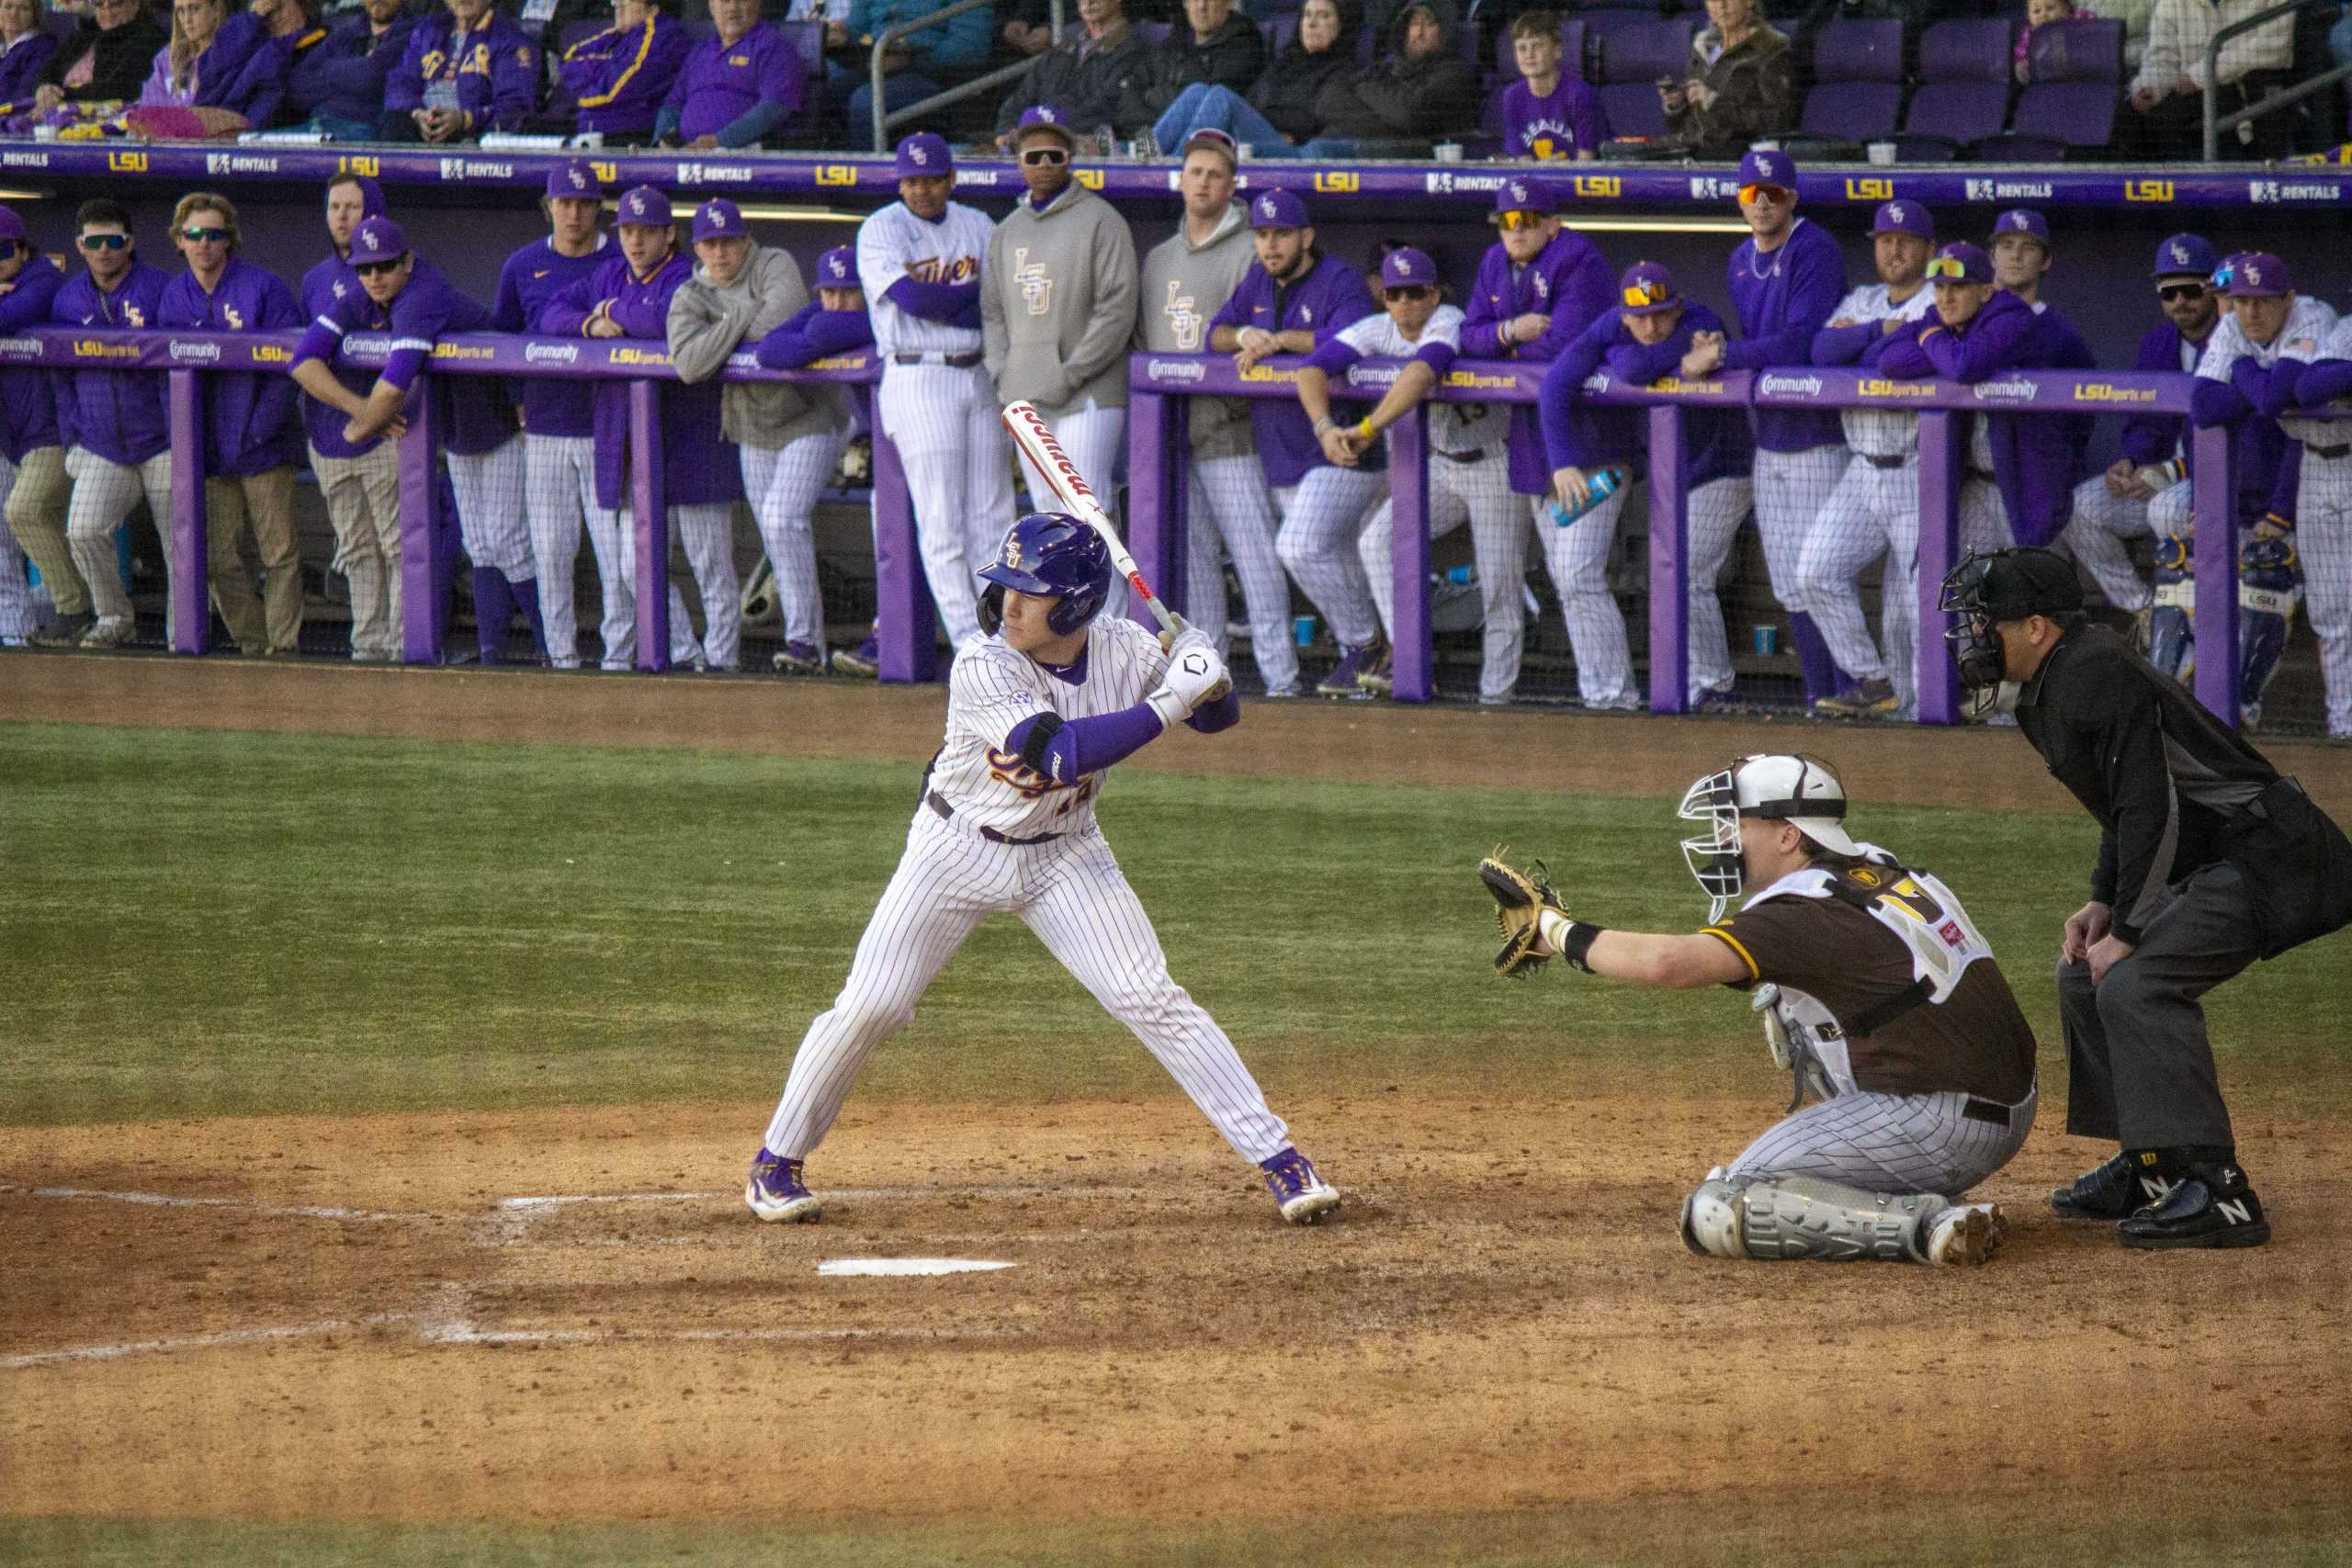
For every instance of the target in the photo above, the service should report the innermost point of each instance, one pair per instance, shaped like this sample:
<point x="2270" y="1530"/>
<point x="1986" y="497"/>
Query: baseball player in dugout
<point x="1877" y="992"/>
<point x="2208" y="860"/>
<point x="1053" y="695"/>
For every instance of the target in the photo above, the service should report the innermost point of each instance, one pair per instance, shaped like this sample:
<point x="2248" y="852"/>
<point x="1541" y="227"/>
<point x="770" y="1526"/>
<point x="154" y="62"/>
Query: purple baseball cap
<point x="2023" y="221"/>
<point x="1975" y="266"/>
<point x="924" y="154"/>
<point x="573" y="181"/>
<point x="1647" y="289"/>
<point x="2185" y="256"/>
<point x="2256" y="275"/>
<point x="378" y="239"/>
<point x="1277" y="209"/>
<point x="837" y="268"/>
<point x="719" y="219"/>
<point x="1405" y="267"/>
<point x="1902" y="218"/>
<point x="1519" y="194"/>
<point x="1769" y="166"/>
<point x="645" y="207"/>
<point x="1045" y="117"/>
<point x="11" y="226"/>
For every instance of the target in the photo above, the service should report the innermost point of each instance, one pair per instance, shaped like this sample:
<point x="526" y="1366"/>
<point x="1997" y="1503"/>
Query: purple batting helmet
<point x="1049" y="553"/>
<point x="646" y="207"/>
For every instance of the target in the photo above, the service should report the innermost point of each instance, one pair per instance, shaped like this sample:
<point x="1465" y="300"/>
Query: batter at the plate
<point x="1038" y="710"/>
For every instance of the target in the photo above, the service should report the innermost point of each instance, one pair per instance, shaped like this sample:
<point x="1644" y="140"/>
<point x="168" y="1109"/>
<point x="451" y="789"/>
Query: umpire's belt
<point x="938" y="803"/>
<point x="1875" y="461"/>
<point x="954" y="361"/>
<point x="1975" y="1109"/>
<point x="2330" y="453"/>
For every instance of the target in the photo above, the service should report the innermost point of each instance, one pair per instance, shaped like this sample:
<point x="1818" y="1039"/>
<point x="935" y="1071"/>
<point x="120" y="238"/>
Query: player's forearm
<point x="1225" y="340"/>
<point x="1669" y="963"/>
<point x="384" y="400"/>
<point x="1314" y="395"/>
<point x="1412" y="384"/>
<point x="1294" y="340"/>
<point x="313" y="376"/>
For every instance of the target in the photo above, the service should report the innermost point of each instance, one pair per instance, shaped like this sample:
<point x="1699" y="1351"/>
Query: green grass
<point x="223" y="923"/>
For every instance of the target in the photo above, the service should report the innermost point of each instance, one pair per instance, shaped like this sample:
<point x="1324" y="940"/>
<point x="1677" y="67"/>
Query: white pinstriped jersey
<point x="2314" y="331"/>
<point x="895" y="243"/>
<point x="1881" y="433"/>
<point x="1454" y="427"/>
<point x="993" y="687"/>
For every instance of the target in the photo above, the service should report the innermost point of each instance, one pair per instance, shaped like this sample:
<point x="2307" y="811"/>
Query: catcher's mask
<point x="1803" y="791"/>
<point x="2000" y="585"/>
<point x="1048" y="554"/>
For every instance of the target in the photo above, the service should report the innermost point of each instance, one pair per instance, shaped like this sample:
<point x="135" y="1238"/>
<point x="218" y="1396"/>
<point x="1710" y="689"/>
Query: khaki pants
<point x="363" y="497"/>
<point x="37" y="516"/>
<point x="271" y="623"/>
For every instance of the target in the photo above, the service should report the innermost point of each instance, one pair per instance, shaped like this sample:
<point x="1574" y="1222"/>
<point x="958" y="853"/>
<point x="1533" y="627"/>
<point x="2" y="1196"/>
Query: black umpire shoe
<point x="2209" y="1205"/>
<point x="2111" y="1192"/>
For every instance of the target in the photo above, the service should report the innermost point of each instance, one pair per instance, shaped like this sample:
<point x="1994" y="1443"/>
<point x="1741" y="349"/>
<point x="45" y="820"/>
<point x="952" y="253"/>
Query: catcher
<point x="1876" y="992"/>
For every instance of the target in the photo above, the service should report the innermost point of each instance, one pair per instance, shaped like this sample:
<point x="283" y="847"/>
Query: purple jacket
<point x="496" y="67"/>
<point x="2151" y="438"/>
<point x="527" y="284"/>
<point x="737" y="94"/>
<point x="1577" y="433"/>
<point x="28" y="396"/>
<point x="813" y="333"/>
<point x="473" y="411"/>
<point x="2270" y="464"/>
<point x="118" y="414"/>
<point x="249" y="423"/>
<point x="1782" y="298"/>
<point x="1332" y="295"/>
<point x="1562" y="123"/>
<point x="245" y="69"/>
<point x="343" y="75"/>
<point x="619" y="80"/>
<point x="2033" y="455"/>
<point x="1715" y="442"/>
<point x="1570" y="281"/>
<point x="699" y="467"/>
<point x="20" y="70"/>
<point x="322" y="286"/>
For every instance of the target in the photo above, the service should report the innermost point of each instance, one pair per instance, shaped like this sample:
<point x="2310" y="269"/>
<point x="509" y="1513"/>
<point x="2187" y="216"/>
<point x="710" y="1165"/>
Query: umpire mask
<point x="2000" y="585"/>
<point x="1790" y="787"/>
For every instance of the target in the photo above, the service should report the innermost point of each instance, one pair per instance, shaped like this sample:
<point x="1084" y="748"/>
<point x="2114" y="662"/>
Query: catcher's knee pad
<point x="2171" y="624"/>
<point x="2270" y="584"/>
<point x="1774" y="1218"/>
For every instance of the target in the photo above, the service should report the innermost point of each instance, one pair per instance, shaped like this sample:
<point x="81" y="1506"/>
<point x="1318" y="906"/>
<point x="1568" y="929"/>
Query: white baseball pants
<point x="1227" y="499"/>
<point x="1073" y="895"/>
<point x="492" y="521"/>
<point x="1577" y="558"/>
<point x="2096" y="533"/>
<point x="615" y="536"/>
<point x="2324" y="543"/>
<point x="949" y="430"/>
<point x="16" y="593"/>
<point x="1479" y="494"/>
<point x="1790" y="487"/>
<point x="1322" y="516"/>
<point x="1714" y="512"/>
<point x="2169" y="513"/>
<point x="782" y="484"/>
<point x="1890" y="1143"/>
<point x="560" y="474"/>
<point x="706" y="533"/>
<point x="104" y="495"/>
<point x="363" y="500"/>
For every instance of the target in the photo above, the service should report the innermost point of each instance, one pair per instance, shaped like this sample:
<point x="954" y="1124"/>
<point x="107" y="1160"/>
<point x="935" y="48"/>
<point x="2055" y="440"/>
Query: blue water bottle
<point x="1604" y="485"/>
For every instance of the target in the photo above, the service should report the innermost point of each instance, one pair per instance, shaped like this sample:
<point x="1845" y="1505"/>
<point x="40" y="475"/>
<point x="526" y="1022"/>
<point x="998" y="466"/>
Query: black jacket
<point x="1397" y="99"/>
<point x="1233" y="56"/>
<point x="1288" y="92"/>
<point x="125" y="55"/>
<point x="2162" y="776"/>
<point x="1092" y="89"/>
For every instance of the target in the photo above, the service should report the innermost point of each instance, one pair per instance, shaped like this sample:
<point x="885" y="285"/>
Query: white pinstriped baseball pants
<point x="949" y="432"/>
<point x="104" y="493"/>
<point x="1073" y="895"/>
<point x="1890" y="1143"/>
<point x="1479" y="494"/>
<point x="559" y="474"/>
<point x="1577" y="558"/>
<point x="1322" y="518"/>
<point x="1227" y="499"/>
<point x="2323" y="540"/>
<point x="16" y="593"/>
<point x="2096" y="533"/>
<point x="1714" y="512"/>
<point x="1790" y="487"/>
<point x="1094" y="437"/>
<point x="492" y="521"/>
<point x="781" y="483"/>
<point x="363" y="500"/>
<point x="614" y="534"/>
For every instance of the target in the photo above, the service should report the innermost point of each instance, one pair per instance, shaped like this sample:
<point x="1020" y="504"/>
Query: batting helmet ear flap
<point x="991" y="609"/>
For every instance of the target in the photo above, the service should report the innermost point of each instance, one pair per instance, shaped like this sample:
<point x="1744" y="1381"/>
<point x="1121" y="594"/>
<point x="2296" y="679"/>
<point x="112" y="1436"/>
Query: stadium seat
<point x="1963" y="92"/>
<point x="1858" y="84"/>
<point x="2074" y="81"/>
<point x="1152" y="33"/>
<point x="1598" y="24"/>
<point x="1632" y="60"/>
<point x="1279" y="30"/>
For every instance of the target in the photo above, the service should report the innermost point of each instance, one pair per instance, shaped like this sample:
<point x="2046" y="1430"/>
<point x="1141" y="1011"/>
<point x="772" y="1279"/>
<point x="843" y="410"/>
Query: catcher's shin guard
<point x="2270" y="584"/>
<point x="2171" y="624"/>
<point x="1800" y="1216"/>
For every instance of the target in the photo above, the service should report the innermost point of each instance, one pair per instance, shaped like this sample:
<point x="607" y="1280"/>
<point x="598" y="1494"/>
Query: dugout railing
<point x="1160" y="386"/>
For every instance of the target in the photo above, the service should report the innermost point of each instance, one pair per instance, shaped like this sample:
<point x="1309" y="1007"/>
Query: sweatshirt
<point x="1057" y="303"/>
<point x="707" y="323"/>
<point x="1184" y="286"/>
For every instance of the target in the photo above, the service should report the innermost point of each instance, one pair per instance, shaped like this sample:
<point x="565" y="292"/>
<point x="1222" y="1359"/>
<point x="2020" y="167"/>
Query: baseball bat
<point x="1035" y="439"/>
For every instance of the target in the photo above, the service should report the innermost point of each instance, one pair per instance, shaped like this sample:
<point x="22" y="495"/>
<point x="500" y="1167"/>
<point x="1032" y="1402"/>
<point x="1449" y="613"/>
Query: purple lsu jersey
<point x="619" y="78"/>
<point x="1782" y="297"/>
<point x="1563" y="122"/>
<point x="249" y="423"/>
<point x="528" y="283"/>
<point x="1571" y="282"/>
<point x="474" y="412"/>
<point x="118" y="414"/>
<point x="331" y="280"/>
<point x="1332" y="295"/>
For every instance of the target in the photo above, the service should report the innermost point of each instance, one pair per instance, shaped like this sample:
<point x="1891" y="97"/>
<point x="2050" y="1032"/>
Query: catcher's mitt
<point x="1520" y="899"/>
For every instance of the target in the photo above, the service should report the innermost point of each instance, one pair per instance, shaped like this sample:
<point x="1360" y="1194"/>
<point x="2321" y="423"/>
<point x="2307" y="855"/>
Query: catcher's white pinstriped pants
<point x="1477" y="493"/>
<point x="949" y="430"/>
<point x="1227" y="499"/>
<point x="490" y="518"/>
<point x="559" y="473"/>
<point x="1073" y="895"/>
<point x="781" y="483"/>
<point x="2096" y="533"/>
<point x="1322" y="517"/>
<point x="1790" y="487"/>
<point x="104" y="494"/>
<point x="1577" y="558"/>
<point x="1093" y="436"/>
<point x="16" y="593"/>
<point x="1714" y="512"/>
<point x="1890" y="1143"/>
<point x="363" y="500"/>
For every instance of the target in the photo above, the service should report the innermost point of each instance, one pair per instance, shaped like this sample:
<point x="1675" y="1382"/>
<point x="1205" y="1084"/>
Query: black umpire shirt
<point x="2162" y="776"/>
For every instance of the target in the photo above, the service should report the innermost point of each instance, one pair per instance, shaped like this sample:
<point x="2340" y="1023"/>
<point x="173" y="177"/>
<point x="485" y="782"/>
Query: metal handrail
<point x="2215" y="125"/>
<point x="884" y="120"/>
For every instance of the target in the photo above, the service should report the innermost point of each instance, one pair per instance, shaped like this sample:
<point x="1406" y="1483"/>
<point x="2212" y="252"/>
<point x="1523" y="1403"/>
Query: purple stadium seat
<point x="1600" y="22"/>
<point x="1633" y="58"/>
<point x="1963" y="92"/>
<point x="1858" y="83"/>
<point x="1367" y="44"/>
<point x="1279" y="30"/>
<point x="807" y="41"/>
<point x="2075" y="79"/>
<point x="1153" y="32"/>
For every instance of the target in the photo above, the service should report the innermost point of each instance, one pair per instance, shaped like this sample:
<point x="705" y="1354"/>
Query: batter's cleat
<point x="1867" y="699"/>
<point x="64" y="631"/>
<point x="865" y="658"/>
<point x="2211" y="1205"/>
<point x="2111" y="1192"/>
<point x="798" y="658"/>
<point x="1303" y="1197"/>
<point x="1345" y="679"/>
<point x="775" y="1194"/>
<point x="1965" y="1237"/>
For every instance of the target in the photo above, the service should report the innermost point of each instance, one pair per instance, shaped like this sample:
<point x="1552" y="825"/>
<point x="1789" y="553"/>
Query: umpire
<point x="2208" y="860"/>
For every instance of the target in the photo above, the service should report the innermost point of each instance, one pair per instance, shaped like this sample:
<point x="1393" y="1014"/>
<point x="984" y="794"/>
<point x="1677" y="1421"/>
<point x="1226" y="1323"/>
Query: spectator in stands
<point x="915" y="67"/>
<point x="240" y="82"/>
<point x="464" y="72"/>
<point x="1548" y="113"/>
<point x="1088" y="79"/>
<point x="1279" y="112"/>
<point x="251" y="441"/>
<point x="173" y="81"/>
<point x="739" y="85"/>
<point x="621" y="76"/>
<point x="34" y="475"/>
<point x="1214" y="45"/>
<point x="2168" y="94"/>
<point x="1740" y="84"/>
<point x="1029" y="30"/>
<point x="26" y="48"/>
<point x="337" y="87"/>
<point x="107" y="59"/>
<point x="1420" y="91"/>
<point x="2038" y="14"/>
<point x="117" y="441"/>
<point x="2112" y="507"/>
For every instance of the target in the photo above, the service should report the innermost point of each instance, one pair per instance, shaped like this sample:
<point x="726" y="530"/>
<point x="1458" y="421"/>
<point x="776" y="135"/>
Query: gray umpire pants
<point x="2140" y="1068"/>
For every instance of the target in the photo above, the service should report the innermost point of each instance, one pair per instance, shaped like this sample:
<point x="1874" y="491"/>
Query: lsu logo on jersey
<point x="1008" y="769"/>
<point x="1183" y="321"/>
<point x="1036" y="289"/>
<point x="234" y="317"/>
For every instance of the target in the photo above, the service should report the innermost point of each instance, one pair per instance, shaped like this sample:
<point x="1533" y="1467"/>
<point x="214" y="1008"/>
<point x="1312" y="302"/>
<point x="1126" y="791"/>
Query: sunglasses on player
<point x="1044" y="157"/>
<point x="104" y="241"/>
<point x="1647" y="292"/>
<point x="1754" y="195"/>
<point x="369" y="269"/>
<point x="1950" y="269"/>
<point x="2179" y="293"/>
<point x="204" y="236"/>
<point x="1517" y="221"/>
<point x="1405" y="291"/>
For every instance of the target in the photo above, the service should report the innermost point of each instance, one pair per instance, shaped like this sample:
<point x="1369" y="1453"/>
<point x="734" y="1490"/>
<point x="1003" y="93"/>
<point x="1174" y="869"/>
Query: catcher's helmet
<point x="1792" y="787"/>
<point x="1049" y="553"/>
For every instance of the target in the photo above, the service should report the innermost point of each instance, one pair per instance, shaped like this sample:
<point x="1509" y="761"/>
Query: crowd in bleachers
<point x="1908" y="80"/>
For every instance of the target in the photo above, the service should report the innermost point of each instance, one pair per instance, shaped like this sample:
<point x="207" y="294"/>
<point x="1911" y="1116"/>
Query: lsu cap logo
<point x="1046" y="115"/>
<point x="1518" y="190"/>
<point x="2252" y="272"/>
<point x="1895" y="212"/>
<point x="2180" y="253"/>
<point x="918" y="153"/>
<point x="1265" y="206"/>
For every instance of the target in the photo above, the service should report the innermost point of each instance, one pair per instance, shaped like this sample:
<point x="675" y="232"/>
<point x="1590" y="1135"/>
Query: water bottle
<point x="1462" y="576"/>
<point x="1604" y="485"/>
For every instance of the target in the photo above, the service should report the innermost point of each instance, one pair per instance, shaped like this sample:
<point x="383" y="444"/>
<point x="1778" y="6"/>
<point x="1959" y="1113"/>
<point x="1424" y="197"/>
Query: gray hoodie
<point x="707" y="323"/>
<point x="1184" y="286"/>
<point x="1057" y="303"/>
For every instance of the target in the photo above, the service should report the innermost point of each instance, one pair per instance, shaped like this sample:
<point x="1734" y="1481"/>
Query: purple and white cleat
<point x="1303" y="1197"/>
<point x="775" y="1192"/>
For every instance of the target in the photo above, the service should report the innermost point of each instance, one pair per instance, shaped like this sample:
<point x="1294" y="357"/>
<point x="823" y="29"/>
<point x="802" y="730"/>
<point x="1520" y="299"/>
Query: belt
<point x="1875" y="461"/>
<point x="1975" y="1110"/>
<point x="2330" y="453"/>
<point x="1477" y="456"/>
<point x="1977" y="473"/>
<point x="953" y="361"/>
<point x="938" y="803"/>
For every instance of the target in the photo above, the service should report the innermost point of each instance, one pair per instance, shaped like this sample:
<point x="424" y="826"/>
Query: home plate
<point x="909" y="1266"/>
